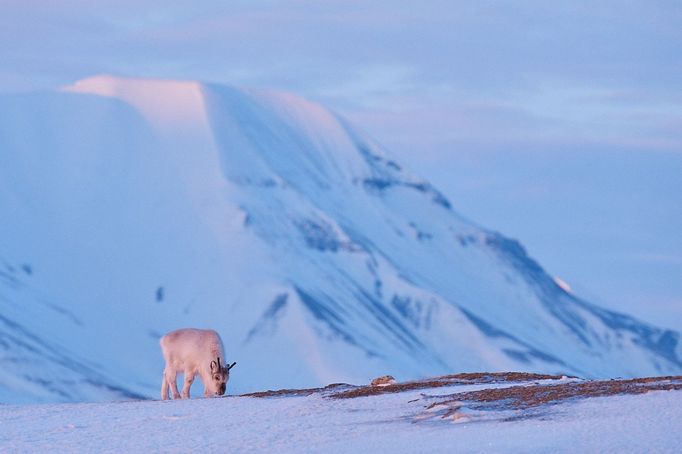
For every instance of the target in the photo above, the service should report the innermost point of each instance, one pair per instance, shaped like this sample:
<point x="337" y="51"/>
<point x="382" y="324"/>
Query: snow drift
<point x="133" y="207"/>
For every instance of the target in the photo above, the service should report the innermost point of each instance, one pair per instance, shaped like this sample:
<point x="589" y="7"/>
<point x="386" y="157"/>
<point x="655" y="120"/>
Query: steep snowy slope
<point x="140" y="206"/>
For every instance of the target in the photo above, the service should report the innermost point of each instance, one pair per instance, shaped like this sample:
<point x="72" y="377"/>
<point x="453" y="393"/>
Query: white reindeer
<point x="194" y="352"/>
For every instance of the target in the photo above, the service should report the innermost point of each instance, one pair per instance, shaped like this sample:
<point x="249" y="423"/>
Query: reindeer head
<point x="220" y="374"/>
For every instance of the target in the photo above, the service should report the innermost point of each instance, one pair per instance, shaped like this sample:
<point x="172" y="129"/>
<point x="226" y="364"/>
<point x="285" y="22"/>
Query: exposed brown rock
<point x="445" y="380"/>
<point x="517" y="401"/>
<point x="297" y="392"/>
<point x="520" y="397"/>
<point x="383" y="380"/>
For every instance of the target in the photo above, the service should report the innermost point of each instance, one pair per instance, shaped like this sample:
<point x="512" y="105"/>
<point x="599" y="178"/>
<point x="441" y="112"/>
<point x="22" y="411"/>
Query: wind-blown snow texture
<point x="132" y="207"/>
<point x="395" y="423"/>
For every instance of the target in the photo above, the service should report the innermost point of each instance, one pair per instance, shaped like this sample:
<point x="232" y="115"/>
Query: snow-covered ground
<point x="393" y="422"/>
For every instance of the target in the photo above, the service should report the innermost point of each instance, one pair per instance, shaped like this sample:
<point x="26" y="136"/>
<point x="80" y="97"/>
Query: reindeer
<point x="194" y="352"/>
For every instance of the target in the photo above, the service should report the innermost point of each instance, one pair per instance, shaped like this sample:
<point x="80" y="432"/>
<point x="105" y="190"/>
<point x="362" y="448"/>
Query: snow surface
<point x="135" y="207"/>
<point x="384" y="423"/>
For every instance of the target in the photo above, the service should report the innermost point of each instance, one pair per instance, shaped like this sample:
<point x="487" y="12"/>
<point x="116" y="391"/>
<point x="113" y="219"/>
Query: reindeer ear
<point x="214" y="366"/>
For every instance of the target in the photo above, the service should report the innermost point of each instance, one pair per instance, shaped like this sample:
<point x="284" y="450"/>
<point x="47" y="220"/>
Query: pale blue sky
<point x="559" y="123"/>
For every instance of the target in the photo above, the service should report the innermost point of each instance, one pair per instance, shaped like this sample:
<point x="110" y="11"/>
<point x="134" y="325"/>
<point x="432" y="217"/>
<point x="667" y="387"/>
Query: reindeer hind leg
<point x="171" y="376"/>
<point x="164" y="388"/>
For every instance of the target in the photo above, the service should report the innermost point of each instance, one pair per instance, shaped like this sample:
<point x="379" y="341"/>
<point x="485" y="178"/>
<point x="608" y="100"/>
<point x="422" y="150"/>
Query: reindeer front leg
<point x="189" y="379"/>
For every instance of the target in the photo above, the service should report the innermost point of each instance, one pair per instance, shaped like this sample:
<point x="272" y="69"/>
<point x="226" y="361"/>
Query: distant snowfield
<point x="398" y="422"/>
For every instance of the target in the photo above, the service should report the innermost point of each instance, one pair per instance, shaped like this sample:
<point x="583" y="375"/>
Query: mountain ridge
<point x="265" y="216"/>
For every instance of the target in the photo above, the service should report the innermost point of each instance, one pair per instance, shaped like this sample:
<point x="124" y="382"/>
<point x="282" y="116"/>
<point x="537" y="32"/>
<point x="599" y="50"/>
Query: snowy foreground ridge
<point x="133" y="207"/>
<point x="506" y="412"/>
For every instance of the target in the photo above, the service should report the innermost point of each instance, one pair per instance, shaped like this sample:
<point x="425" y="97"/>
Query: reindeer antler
<point x="231" y="365"/>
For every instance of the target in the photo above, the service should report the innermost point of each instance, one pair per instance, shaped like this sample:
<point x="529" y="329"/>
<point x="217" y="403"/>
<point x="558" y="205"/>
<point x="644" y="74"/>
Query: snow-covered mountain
<point x="132" y="207"/>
